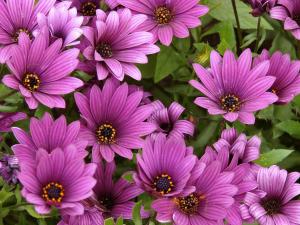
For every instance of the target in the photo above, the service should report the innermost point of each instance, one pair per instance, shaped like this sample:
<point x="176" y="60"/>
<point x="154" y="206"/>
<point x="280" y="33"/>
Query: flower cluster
<point x="71" y="165"/>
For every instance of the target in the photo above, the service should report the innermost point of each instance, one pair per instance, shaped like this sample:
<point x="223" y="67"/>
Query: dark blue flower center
<point x="163" y="15"/>
<point x="31" y="81"/>
<point x="230" y="103"/>
<point x="272" y="206"/>
<point x="106" y="202"/>
<point x="163" y="184"/>
<point x="53" y="193"/>
<point x="105" y="50"/>
<point x="88" y="8"/>
<point x="106" y="133"/>
<point x="190" y="203"/>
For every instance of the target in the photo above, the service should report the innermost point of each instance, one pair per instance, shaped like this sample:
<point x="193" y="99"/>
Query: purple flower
<point x="47" y="134"/>
<point x="41" y="72"/>
<point x="288" y="12"/>
<point x="165" y="166"/>
<point x="115" y="43"/>
<point x="207" y="205"/>
<point x="60" y="179"/>
<point x="9" y="168"/>
<point x="168" y="18"/>
<point x="7" y="120"/>
<point x="115" y="199"/>
<point x="111" y="3"/>
<point x="232" y="88"/>
<point x="261" y="6"/>
<point x="276" y="203"/>
<point x="241" y="149"/>
<point x="87" y="8"/>
<point x="13" y="22"/>
<point x="286" y="71"/>
<point x="113" y="120"/>
<point x="62" y="22"/>
<point x="167" y="120"/>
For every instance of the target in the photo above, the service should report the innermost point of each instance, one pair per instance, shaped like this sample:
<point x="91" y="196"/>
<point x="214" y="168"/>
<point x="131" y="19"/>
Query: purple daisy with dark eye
<point x="167" y="120"/>
<point x="287" y="73"/>
<point x="60" y="179"/>
<point x="13" y="23"/>
<point x="87" y="8"/>
<point x="114" y="43"/>
<point x="233" y="88"/>
<point x="168" y="18"/>
<point x="165" y="166"/>
<point x="288" y="12"/>
<point x="114" y="121"/>
<point x="276" y="200"/>
<point x="41" y="72"/>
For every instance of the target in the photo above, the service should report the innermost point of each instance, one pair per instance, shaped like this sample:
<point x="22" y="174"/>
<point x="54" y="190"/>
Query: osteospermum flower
<point x="232" y="88"/>
<point x="115" y="198"/>
<point x="286" y="71"/>
<point x="208" y="204"/>
<point x="47" y="134"/>
<point x="276" y="203"/>
<point x="13" y="22"/>
<point x="113" y="120"/>
<point x="116" y="43"/>
<point x="62" y="22"/>
<point x="288" y="12"/>
<point x="165" y="166"/>
<point x="167" y="120"/>
<point x="60" y="179"/>
<point x="241" y="149"/>
<point x="7" y="120"/>
<point x="87" y="8"/>
<point x="9" y="168"/>
<point x="168" y="18"/>
<point x="261" y="6"/>
<point x="41" y="72"/>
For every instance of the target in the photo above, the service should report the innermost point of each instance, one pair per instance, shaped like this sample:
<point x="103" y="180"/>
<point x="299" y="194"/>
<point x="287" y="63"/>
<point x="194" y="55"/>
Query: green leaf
<point x="30" y="210"/>
<point x="168" y="60"/>
<point x="281" y="43"/>
<point x="222" y="11"/>
<point x="5" y="195"/>
<point x="136" y="213"/>
<point x="273" y="157"/>
<point x="266" y="114"/>
<point x="291" y="127"/>
<point x="109" y="221"/>
<point x="119" y="221"/>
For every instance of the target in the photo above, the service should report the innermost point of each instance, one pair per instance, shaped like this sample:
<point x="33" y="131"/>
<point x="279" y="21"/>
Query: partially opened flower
<point x="47" y="134"/>
<point x="7" y="120"/>
<point x="9" y="168"/>
<point x="116" y="199"/>
<point x="62" y="22"/>
<point x="168" y="18"/>
<point x="60" y="179"/>
<point x="18" y="16"/>
<point x="242" y="149"/>
<point x="277" y="201"/>
<point x="165" y="166"/>
<point x="115" y="43"/>
<point x="287" y="73"/>
<point x="113" y="120"/>
<point x="41" y="72"/>
<point x="288" y="12"/>
<point x="232" y="88"/>
<point x="207" y="205"/>
<point x="261" y="6"/>
<point x="167" y="120"/>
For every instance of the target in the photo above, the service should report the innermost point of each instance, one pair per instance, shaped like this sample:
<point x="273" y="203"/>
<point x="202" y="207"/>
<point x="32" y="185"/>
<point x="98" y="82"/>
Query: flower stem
<point x="257" y="34"/>
<point x="239" y="31"/>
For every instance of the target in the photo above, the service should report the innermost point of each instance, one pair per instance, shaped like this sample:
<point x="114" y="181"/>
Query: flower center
<point x="31" y="81"/>
<point x="272" y="206"/>
<point x="163" y="184"/>
<point x="230" y="103"/>
<point x="16" y="35"/>
<point x="53" y="193"/>
<point x="274" y="91"/>
<point x="105" y="50"/>
<point x="88" y="9"/>
<point x="163" y="15"/>
<point x="106" y="134"/>
<point x="106" y="202"/>
<point x="190" y="203"/>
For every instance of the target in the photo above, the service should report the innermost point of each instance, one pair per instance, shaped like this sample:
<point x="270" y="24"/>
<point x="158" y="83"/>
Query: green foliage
<point x="273" y="157"/>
